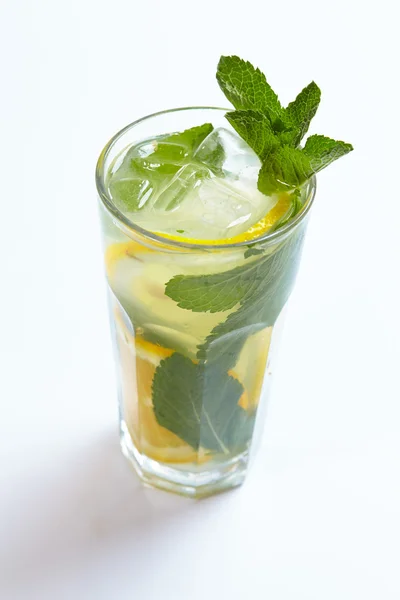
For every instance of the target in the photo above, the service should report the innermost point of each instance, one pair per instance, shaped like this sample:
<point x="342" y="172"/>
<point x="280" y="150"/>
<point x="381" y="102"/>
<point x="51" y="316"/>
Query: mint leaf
<point x="227" y="339"/>
<point x="200" y="405"/>
<point x="288" y="168"/>
<point x="199" y="401"/>
<point x="284" y="169"/>
<point x="259" y="309"/>
<point x="303" y="109"/>
<point x="246" y="87"/>
<point x="259" y="289"/>
<point x="127" y="192"/>
<point x="218" y="292"/>
<point x="273" y="132"/>
<point x="322" y="151"/>
<point x="171" y="153"/>
<point x="190" y="138"/>
<point x="255" y="128"/>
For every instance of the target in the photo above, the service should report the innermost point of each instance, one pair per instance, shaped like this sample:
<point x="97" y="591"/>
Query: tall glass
<point x="194" y="330"/>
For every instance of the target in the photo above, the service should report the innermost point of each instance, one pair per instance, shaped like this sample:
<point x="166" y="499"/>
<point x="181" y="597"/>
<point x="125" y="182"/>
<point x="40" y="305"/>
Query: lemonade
<point x="203" y="218"/>
<point x="220" y="375"/>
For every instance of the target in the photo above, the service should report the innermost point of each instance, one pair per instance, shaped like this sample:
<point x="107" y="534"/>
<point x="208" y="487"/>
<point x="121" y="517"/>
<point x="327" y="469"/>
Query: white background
<point x="319" y="517"/>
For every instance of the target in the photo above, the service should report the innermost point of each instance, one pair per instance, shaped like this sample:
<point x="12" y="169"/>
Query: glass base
<point x="190" y="483"/>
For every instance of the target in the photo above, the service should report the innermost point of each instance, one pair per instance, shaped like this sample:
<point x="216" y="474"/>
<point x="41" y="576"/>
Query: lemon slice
<point x="251" y="366"/>
<point x="120" y="250"/>
<point x="137" y="276"/>
<point x="139" y="360"/>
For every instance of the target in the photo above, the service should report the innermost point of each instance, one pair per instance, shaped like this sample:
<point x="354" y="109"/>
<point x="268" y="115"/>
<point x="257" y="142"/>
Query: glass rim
<point x="109" y="205"/>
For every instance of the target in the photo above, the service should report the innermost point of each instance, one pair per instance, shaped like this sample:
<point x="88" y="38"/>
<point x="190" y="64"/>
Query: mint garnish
<point x="284" y="169"/>
<point x="274" y="132"/>
<point x="302" y="110"/>
<point x="247" y="88"/>
<point x="256" y="129"/>
<point x="322" y="151"/>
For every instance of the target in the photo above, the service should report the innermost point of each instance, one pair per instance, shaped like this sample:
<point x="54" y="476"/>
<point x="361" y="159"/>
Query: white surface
<point x="319" y="517"/>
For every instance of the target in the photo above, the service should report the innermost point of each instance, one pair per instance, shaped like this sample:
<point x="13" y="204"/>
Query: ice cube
<point x="123" y="165"/>
<point x="224" y="149"/>
<point x="175" y="190"/>
<point x="214" y="208"/>
<point x="230" y="207"/>
<point x="210" y="209"/>
<point x="211" y="195"/>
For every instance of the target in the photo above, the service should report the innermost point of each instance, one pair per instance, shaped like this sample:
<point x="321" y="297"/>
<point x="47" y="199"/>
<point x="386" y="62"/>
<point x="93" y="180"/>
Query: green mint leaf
<point x="218" y="292"/>
<point x="127" y="192"/>
<point x="255" y="128"/>
<point x="189" y="139"/>
<point x="303" y="109"/>
<point x="199" y="401"/>
<point x="260" y="309"/>
<point x="199" y="404"/>
<point x="246" y="87"/>
<point x="172" y="152"/>
<point x="287" y="137"/>
<point x="175" y="151"/>
<point x="284" y="169"/>
<point x="273" y="132"/>
<point x="227" y="339"/>
<point x="322" y="151"/>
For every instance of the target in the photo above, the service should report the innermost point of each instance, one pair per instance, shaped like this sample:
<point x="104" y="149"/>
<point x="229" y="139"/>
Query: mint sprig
<point x="275" y="132"/>
<point x="302" y="110"/>
<point x="256" y="129"/>
<point x="284" y="169"/>
<point x="246" y="87"/>
<point x="322" y="151"/>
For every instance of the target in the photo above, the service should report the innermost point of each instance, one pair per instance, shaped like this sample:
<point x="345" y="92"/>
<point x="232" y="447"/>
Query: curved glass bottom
<point x="219" y="478"/>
